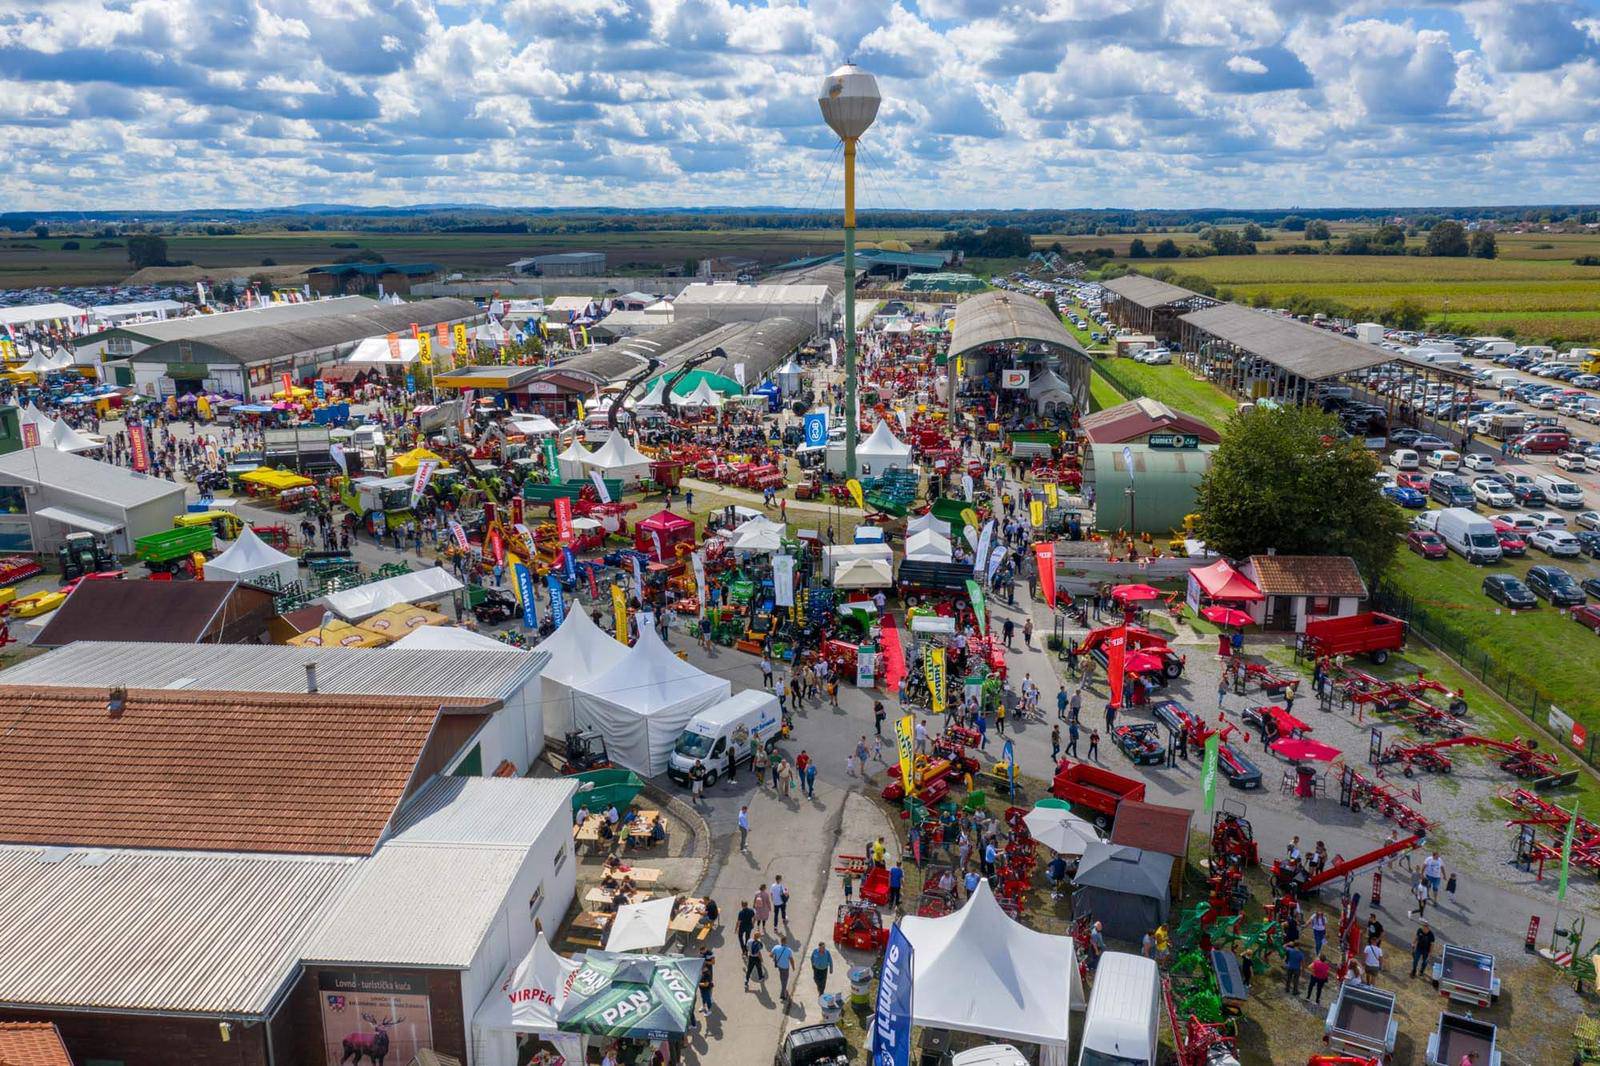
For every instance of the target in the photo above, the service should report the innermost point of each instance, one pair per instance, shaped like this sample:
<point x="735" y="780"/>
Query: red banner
<point x="1116" y="648"/>
<point x="563" y="509"/>
<point x="394" y="347"/>
<point x="443" y="334"/>
<point x="139" y="448"/>
<point x="288" y="385"/>
<point x="1045" y="555"/>
<point x="416" y="331"/>
<point x="894" y="655"/>
<point x="497" y="546"/>
<point x="30" y="434"/>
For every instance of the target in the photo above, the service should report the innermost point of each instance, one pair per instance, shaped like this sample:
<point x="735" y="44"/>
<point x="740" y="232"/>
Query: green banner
<point x="1566" y="855"/>
<point x="975" y="594"/>
<point x="551" y="467"/>
<point x="1208" y="772"/>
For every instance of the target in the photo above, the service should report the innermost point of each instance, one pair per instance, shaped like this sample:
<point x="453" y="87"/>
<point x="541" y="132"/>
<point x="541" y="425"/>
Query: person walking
<point x="1072" y="739"/>
<point x="1008" y="631"/>
<point x="1421" y="950"/>
<point x="1293" y="958"/>
<point x="1319" y="932"/>
<point x="1111" y="717"/>
<point x="1027" y="634"/>
<point x="811" y="781"/>
<point x="878" y="715"/>
<point x="785" y="779"/>
<point x="1055" y="744"/>
<point x="1094" y="745"/>
<point x="1317" y="979"/>
<point x="783" y="959"/>
<point x="981" y="723"/>
<point x="1075" y="706"/>
<point x="762" y="904"/>
<point x="897" y="877"/>
<point x="1061" y="703"/>
<point x="1419" y="892"/>
<point x="821" y="963"/>
<point x="1222" y="691"/>
<point x="744" y="923"/>
<point x="706" y="982"/>
<point x="780" y="901"/>
<point x="1433" y="873"/>
<point x="766" y="672"/>
<point x="744" y="828"/>
<point x="753" y="966"/>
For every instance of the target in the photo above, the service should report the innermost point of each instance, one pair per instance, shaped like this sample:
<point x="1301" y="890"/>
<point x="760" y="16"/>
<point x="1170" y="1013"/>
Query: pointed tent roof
<point x="1221" y="581"/>
<point x="530" y="996"/>
<point x="979" y="971"/>
<point x="450" y="638"/>
<point x="791" y="368"/>
<point x="862" y="574"/>
<point x="640" y="926"/>
<point x="929" y="544"/>
<point x="759" y="534"/>
<point x="925" y="521"/>
<point x="883" y="442"/>
<point x="39" y="363"/>
<point x="650" y="677"/>
<point x="579" y="649"/>
<point x="248" y="557"/>
<point x="664" y="521"/>
<point x="1049" y="381"/>
<point x="576" y="453"/>
<point x="616" y="453"/>
<point x="702" y="396"/>
<point x="654" y="396"/>
<point x="63" y="438"/>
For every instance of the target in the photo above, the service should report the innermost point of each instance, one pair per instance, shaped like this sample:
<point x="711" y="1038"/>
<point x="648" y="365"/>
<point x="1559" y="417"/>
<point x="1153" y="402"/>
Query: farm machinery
<point x="1249" y="675"/>
<point x="1138" y="639"/>
<point x="1406" y="702"/>
<point x="1240" y="772"/>
<point x="1359" y="792"/>
<point x="1198" y="1043"/>
<point x="1533" y="812"/>
<point x="1518" y="757"/>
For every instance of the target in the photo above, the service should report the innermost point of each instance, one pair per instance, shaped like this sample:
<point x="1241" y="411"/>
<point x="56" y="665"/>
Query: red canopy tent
<point x="1219" y="581"/>
<point x="657" y="535"/>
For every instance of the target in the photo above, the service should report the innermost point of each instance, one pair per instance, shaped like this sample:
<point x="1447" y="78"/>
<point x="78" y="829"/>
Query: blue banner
<point x="320" y="389"/>
<point x="891" y="1022"/>
<point x="411" y="383"/>
<point x="816" y="430"/>
<point x="558" y="606"/>
<point x="530" y="609"/>
<point x="571" y="564"/>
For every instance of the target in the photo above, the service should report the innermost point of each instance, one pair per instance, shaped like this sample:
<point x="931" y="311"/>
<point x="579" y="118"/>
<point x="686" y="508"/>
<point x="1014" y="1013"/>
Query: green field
<point x="1173" y="386"/>
<point x="1102" y="393"/>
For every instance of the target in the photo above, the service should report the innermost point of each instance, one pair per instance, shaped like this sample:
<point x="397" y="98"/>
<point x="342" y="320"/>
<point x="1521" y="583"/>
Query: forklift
<point x="84" y="553"/>
<point x="585" y="752"/>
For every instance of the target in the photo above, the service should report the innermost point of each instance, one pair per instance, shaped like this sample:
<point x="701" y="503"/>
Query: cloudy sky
<point x="1023" y="103"/>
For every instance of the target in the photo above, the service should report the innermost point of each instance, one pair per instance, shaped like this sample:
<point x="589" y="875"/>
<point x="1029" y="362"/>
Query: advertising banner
<point x="138" y="446"/>
<point x="419" y="483"/>
<point x="854" y="487"/>
<point x="905" y="745"/>
<point x="816" y="430"/>
<point x="563" y="512"/>
<point x="288" y="384"/>
<point x="600" y="486"/>
<point x="558" y="603"/>
<point x="552" y="468"/>
<point x="394" y="346"/>
<point x="933" y="668"/>
<point x="1052" y="492"/>
<point x="891" y="1021"/>
<point x="1036" y="513"/>
<point x="373" y="1014"/>
<point x="975" y="594"/>
<point x="461" y="342"/>
<point x="30" y="435"/>
<point x="980" y="554"/>
<point x="424" y="349"/>
<point x="619" y="612"/>
<point x="698" y="561"/>
<point x="966" y="487"/>
<point x="894" y="655"/>
<point x="1208" y="770"/>
<point x="1013" y="379"/>
<point x="1045" y="554"/>
<point x="458" y="534"/>
<point x="783" y="580"/>
<point x="524" y="584"/>
<point x="1116" y="652"/>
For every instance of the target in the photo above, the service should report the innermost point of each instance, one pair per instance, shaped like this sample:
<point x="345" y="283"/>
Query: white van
<point x="1444" y="459"/>
<point x="719" y="737"/>
<point x="1468" y="534"/>
<point x="1493" y="347"/>
<point x="1122" y="1026"/>
<point x="990" y="1055"/>
<point x="1404" y="459"/>
<point x="1560" y="491"/>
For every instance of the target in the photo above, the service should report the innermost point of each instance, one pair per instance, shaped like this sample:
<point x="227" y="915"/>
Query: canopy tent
<point x="639" y="926"/>
<point x="40" y="363"/>
<point x="703" y="396"/>
<point x="788" y="377"/>
<point x="63" y="438"/>
<point x="533" y="426"/>
<point x="449" y="638"/>
<point x="883" y="451"/>
<point x="690" y="383"/>
<point x="573" y="463"/>
<point x="1220" y="581"/>
<point x="654" y="396"/>
<point x="579" y="650"/>
<point x="249" y="558"/>
<point x="863" y="574"/>
<point x="979" y="971"/>
<point x="1124" y="888"/>
<point x="930" y="545"/>
<point x="375" y="351"/>
<point x="491" y="332"/>
<point x="527" y="999"/>
<point x="836" y="555"/>
<point x="658" y="991"/>
<point x="1047" y="381"/>
<point x="759" y="535"/>
<point x="928" y="521"/>
<point x="618" y="458"/>
<point x="363" y="600"/>
<point x="661" y="533"/>
<point x="643" y="702"/>
<point x="1061" y="831"/>
<point x="32" y="416"/>
<point x="407" y="462"/>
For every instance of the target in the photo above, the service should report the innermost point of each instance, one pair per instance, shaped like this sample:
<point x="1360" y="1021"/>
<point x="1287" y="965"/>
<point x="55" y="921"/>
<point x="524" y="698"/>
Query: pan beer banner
<point x="1208" y="771"/>
<point x="933" y="668"/>
<point x="905" y="744"/>
<point x="1116" y="653"/>
<point x="558" y="605"/>
<point x="619" y="612"/>
<point x="1045" y="555"/>
<point x="563" y="510"/>
<point x="855" y="493"/>
<point x="891" y="1021"/>
<point x="138" y="446"/>
<point x="783" y="580"/>
<point x="552" y="468"/>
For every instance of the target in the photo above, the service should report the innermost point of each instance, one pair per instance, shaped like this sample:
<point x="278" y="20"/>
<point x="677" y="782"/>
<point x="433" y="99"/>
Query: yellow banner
<point x="1051" y="493"/>
<point x="961" y="366"/>
<point x="855" y="493"/>
<point x="904" y="732"/>
<point x="461" y="343"/>
<point x="619" y="607"/>
<point x="424" y="349"/>
<point x="970" y="517"/>
<point x="933" y="668"/>
<point x="1036" y="512"/>
<point x="202" y="407"/>
<point x="512" y="559"/>
<point x="581" y="415"/>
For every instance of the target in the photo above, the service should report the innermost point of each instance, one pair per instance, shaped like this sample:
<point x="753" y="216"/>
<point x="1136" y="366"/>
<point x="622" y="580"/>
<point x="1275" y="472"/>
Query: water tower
<point x="849" y="100"/>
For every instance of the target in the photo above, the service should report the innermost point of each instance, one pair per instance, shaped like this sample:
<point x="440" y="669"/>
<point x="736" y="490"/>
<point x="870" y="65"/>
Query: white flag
<point x="600" y="486"/>
<point x="783" y="580"/>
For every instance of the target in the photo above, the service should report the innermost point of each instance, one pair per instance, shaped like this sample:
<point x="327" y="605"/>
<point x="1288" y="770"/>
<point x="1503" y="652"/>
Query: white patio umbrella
<point x="1061" y="831"/>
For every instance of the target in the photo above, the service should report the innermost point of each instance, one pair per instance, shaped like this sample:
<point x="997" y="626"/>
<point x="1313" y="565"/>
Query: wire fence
<point x="1512" y="685"/>
<point x="1127" y="388"/>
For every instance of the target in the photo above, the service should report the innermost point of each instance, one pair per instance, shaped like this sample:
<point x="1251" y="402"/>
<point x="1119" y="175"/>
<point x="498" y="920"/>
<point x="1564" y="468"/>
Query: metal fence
<point x="1517" y="688"/>
<point x="1128" y="389"/>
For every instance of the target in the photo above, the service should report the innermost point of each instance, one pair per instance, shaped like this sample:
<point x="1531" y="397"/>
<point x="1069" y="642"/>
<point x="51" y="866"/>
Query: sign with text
<point x="891" y="1021"/>
<point x="1186" y="441"/>
<point x="816" y="430"/>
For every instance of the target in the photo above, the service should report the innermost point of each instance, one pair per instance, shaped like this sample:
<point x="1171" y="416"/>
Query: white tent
<point x="375" y="351"/>
<point x="836" y="555"/>
<point x="1049" y="381"/>
<point x="250" y="559"/>
<point x="642" y="703"/>
<point x="578" y="651"/>
<point x="573" y="462"/>
<point x="1060" y="830"/>
<point x="491" y="332"/>
<point x="31" y="415"/>
<point x="979" y="971"/>
<point x="927" y="520"/>
<point x="929" y="545"/>
<point x="617" y="457"/>
<point x="39" y="363"/>
<point x="703" y="396"/>
<point x="641" y="926"/>
<point x="788" y="377"/>
<point x="883" y="450"/>
<point x="449" y="638"/>
<point x="362" y="601"/>
<point x="527" y="999"/>
<point x="63" y="438"/>
<point x="862" y="574"/>
<point x="655" y="395"/>
<point x="759" y="534"/>
<point x="534" y="426"/>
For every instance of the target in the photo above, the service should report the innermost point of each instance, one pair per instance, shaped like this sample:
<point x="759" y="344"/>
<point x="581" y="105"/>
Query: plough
<point x="1520" y="758"/>
<point x="1538" y="811"/>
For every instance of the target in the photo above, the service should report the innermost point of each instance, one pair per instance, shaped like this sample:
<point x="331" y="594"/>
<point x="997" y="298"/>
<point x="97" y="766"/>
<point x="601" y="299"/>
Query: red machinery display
<point x="1292" y="879"/>
<point x="1248" y="675"/>
<point x="1100" y="791"/>
<point x="1358" y="792"/>
<point x="1537" y="811"/>
<point x="1369" y="633"/>
<point x="1233" y="851"/>
<point x="14" y="568"/>
<point x="1139" y="639"/>
<point x="1240" y="772"/>
<point x="1197" y="1043"/>
<point x="859" y="926"/>
<point x="1404" y="701"/>
<point x="1520" y="758"/>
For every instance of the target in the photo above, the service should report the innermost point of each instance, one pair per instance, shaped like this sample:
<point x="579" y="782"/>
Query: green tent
<point x="641" y="997"/>
<point x="691" y="381"/>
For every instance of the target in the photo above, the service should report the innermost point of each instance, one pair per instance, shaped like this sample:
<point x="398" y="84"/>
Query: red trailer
<point x="1088" y="786"/>
<point x="1369" y="633"/>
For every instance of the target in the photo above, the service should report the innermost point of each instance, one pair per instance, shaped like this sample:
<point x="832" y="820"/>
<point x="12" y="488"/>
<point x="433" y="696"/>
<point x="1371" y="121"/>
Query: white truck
<point x="1468" y="534"/>
<point x="1122" y="1026"/>
<point x="719" y="737"/>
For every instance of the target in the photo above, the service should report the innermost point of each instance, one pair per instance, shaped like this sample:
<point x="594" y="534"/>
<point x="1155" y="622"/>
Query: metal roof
<point x="463" y="673"/>
<point x="1147" y="292"/>
<point x="627" y="357"/>
<point x="133" y="931"/>
<point x="88" y="479"/>
<point x="376" y="269"/>
<point x="173" y="329"/>
<point x="758" y="347"/>
<point x="1301" y="349"/>
<point x="22" y="315"/>
<point x="418" y="905"/>
<point x="993" y="317"/>
<point x="723" y="294"/>
<point x="485" y="811"/>
<point x="830" y="274"/>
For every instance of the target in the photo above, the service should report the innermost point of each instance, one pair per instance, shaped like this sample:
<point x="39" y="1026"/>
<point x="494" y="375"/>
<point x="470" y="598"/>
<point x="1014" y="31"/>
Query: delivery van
<point x="1468" y="534"/>
<point x="719" y="736"/>
<point x="1122" y="1026"/>
<point x="1560" y="491"/>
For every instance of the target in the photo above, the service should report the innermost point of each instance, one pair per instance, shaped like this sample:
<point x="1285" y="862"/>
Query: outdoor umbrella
<point x="1133" y="593"/>
<point x="1300" y="748"/>
<point x="641" y="997"/>
<point x="1141" y="662"/>
<point x="1060" y="831"/>
<point x="641" y="925"/>
<point x="1231" y="617"/>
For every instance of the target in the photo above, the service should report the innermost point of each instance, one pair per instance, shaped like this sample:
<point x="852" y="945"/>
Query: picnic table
<point x="643" y="821"/>
<point x="601" y="897"/>
<point x="588" y="831"/>
<point x="642" y="875"/>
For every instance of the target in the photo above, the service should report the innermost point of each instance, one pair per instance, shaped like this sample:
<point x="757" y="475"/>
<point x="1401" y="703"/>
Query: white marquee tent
<point x="63" y="438"/>
<point x="357" y="603"/>
<point x="929" y="545"/>
<point x="654" y="396"/>
<point x="979" y="971"/>
<point x="879" y="452"/>
<point x="527" y="999"/>
<point x="759" y="534"/>
<point x="449" y="638"/>
<point x="862" y="574"/>
<point x="579" y="650"/>
<point x="251" y="559"/>
<point x="837" y="555"/>
<point x="534" y="426"/>
<point x="703" y="396"/>
<point x="375" y="351"/>
<point x="643" y="702"/>
<point x="572" y="463"/>
<point x="641" y="926"/>
<point x="617" y="457"/>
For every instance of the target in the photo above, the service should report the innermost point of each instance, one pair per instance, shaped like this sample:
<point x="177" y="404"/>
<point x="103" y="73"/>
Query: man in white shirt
<point x="1433" y="873"/>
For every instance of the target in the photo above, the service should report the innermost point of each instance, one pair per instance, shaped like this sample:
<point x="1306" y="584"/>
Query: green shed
<point x="1164" y="483"/>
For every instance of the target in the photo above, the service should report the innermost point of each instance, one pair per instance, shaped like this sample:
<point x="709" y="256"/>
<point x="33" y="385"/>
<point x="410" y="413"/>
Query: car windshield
<point x="692" y="744"/>
<point x="1485" y="540"/>
<point x="1091" y="1057"/>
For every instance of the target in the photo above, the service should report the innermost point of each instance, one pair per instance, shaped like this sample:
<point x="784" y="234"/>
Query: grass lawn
<point x="1103" y="394"/>
<point x="1175" y="387"/>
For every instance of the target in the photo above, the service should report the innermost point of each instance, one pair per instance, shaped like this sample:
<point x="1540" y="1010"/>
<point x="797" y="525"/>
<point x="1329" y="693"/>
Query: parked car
<point x="1545" y="442"/>
<point x="1428" y="442"/>
<point x="1528" y="495"/>
<point x="1444" y="459"/>
<point x="1555" y="585"/>
<point x="1589" y="542"/>
<point x="1511" y="542"/>
<point x="1587" y="519"/>
<point x="1406" y="496"/>
<point x="1548" y="519"/>
<point x="1519" y="522"/>
<point x="1403" y="438"/>
<point x="1478" y="461"/>
<point x="1591" y="586"/>
<point x="1506" y="589"/>
<point x="1557" y="543"/>
<point x="1588" y="616"/>
<point x="1384" y="479"/>
<point x="1492" y="493"/>
<point x="1572" y="461"/>
<point x="1414" y="480"/>
<point x="1427" y="544"/>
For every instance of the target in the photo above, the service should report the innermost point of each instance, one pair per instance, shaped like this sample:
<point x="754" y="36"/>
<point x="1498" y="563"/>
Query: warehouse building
<point x="1147" y="306"/>
<point x="46" y="494"/>
<point x="1147" y="421"/>
<point x="1153" y="494"/>
<point x="563" y="265"/>
<point x="341" y="279"/>
<point x="119" y="340"/>
<point x="812" y="304"/>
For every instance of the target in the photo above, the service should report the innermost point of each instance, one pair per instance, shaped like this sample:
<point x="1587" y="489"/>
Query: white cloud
<point x="1246" y="65"/>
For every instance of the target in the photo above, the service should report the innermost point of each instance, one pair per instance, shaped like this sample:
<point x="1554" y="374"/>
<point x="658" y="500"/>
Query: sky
<point x="174" y="104"/>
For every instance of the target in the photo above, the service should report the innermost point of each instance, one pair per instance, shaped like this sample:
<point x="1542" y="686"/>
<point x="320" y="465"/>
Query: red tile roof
<point x="1138" y="418"/>
<point x="209" y="771"/>
<point x="1308" y="575"/>
<point x="1152" y="827"/>
<point x="32" y="1044"/>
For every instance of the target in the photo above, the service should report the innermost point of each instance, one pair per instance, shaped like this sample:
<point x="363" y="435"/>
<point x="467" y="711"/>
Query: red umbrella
<point x="1298" y="748"/>
<point x="1231" y="617"/>
<point x="1130" y="593"/>
<point x="1141" y="662"/>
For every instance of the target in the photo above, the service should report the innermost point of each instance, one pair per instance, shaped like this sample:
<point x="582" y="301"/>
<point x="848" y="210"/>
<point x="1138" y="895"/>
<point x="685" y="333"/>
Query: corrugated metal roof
<point x="1148" y="292"/>
<point x="156" y="931"/>
<point x="1301" y="349"/>
<point x="273" y="668"/>
<point x="173" y="329"/>
<point x="759" y="347"/>
<point x="724" y="294"/>
<point x="417" y="905"/>
<point x="993" y="317"/>
<point x="88" y="478"/>
<point x="510" y="811"/>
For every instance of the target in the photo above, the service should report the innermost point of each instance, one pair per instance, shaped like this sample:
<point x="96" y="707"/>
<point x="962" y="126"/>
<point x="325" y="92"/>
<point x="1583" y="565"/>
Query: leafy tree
<point x="69" y="246"/>
<point x="1137" y="249"/>
<point x="1447" y="238"/>
<point x="1228" y="242"/>
<point x="1167" y="248"/>
<point x="1253" y="233"/>
<point x="41" y="231"/>
<point x="1317" y="230"/>
<point x="1404" y="313"/>
<point x="146" y="249"/>
<point x="1283" y="478"/>
<point x="1481" y="245"/>
<point x="1292" y="223"/>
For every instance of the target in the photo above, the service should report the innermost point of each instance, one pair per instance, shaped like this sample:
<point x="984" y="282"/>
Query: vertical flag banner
<point x="995" y="559"/>
<point x="854" y="487"/>
<point x="891" y="1021"/>
<point x="30" y="434"/>
<point x="524" y="586"/>
<point x="424" y="349"/>
<point x="933" y="668"/>
<point x="1116" y="653"/>
<point x="442" y="331"/>
<point x="1045" y="554"/>
<point x="138" y="446"/>
<point x="970" y="517"/>
<point x="552" y="468"/>
<point x="905" y="744"/>
<point x="563" y="510"/>
<point x="619" y="611"/>
<point x="1052" y="493"/>
<point x="1036" y="513"/>
<point x="1566" y="855"/>
<point x="581" y="414"/>
<point x="394" y="347"/>
<point x="419" y="483"/>
<point x="526" y="534"/>
<point x="698" y="560"/>
<point x="783" y="580"/>
<point x="975" y="594"/>
<point x="966" y="487"/>
<point x="894" y="655"/>
<point x="558" y="605"/>
<point x="461" y="341"/>
<point x="288" y="385"/>
<point x="1208" y="772"/>
<point x="458" y="534"/>
<point x="600" y="486"/>
<point x="981" y="549"/>
<point x="1009" y="754"/>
